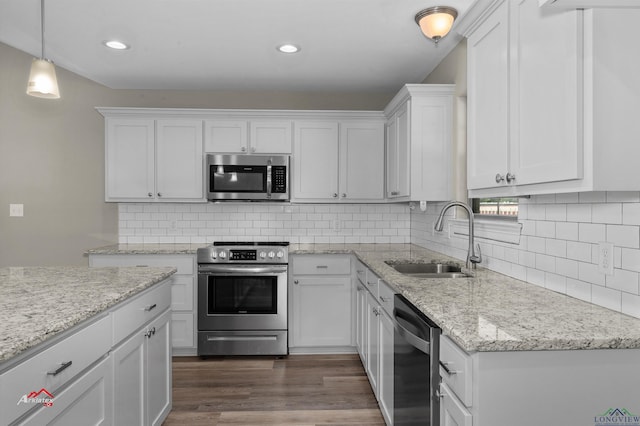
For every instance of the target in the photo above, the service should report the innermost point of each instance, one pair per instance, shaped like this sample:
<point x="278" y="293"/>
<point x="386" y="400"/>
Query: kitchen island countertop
<point x="39" y="303"/>
<point x="489" y="312"/>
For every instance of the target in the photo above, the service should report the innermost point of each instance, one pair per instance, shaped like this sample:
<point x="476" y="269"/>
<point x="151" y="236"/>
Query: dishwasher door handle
<point x="412" y="339"/>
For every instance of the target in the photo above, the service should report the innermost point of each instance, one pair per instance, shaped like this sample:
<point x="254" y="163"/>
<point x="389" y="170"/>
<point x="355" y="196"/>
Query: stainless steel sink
<point x="429" y="270"/>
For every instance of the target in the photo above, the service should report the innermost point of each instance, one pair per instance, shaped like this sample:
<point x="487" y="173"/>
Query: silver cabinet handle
<point x="445" y="366"/>
<point x="150" y="307"/>
<point x="499" y="178"/>
<point x="243" y="149"/>
<point x="368" y="283"/>
<point x="159" y="194"/>
<point x="395" y="192"/>
<point x="335" y="195"/>
<point x="344" y="195"/>
<point x="150" y="194"/>
<point x="510" y="177"/>
<point x="60" y="369"/>
<point x="322" y="267"/>
<point x="296" y="282"/>
<point x="384" y="299"/>
<point x="150" y="332"/>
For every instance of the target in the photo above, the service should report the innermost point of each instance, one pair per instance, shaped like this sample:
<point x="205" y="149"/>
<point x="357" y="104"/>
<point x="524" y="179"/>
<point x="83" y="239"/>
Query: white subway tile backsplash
<point x="592" y="197"/>
<point x="579" y="212"/>
<point x="579" y="251"/>
<point x="631" y="214"/>
<point x="606" y="213"/>
<point x="624" y="236"/>
<point x="589" y="272"/>
<point x="556" y="212"/>
<point x="606" y="297"/>
<point x="631" y="304"/>
<point x="579" y="289"/>
<point x="591" y="233"/>
<point x="622" y="280"/>
<point x="567" y="231"/>
<point x="623" y="197"/>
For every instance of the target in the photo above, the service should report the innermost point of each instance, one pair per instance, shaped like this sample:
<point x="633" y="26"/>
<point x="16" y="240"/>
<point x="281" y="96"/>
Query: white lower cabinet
<point x="375" y="334"/>
<point x="183" y="292"/>
<point x="88" y="401"/>
<point x="320" y="303"/>
<point x="452" y="411"/>
<point x="116" y="370"/>
<point x="142" y="381"/>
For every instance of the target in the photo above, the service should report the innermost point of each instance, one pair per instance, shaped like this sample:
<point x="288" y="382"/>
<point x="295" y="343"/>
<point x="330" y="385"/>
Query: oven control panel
<point x="230" y="254"/>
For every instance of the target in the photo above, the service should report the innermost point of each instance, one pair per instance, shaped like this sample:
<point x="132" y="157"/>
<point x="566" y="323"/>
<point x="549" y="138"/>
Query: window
<point x="503" y="208"/>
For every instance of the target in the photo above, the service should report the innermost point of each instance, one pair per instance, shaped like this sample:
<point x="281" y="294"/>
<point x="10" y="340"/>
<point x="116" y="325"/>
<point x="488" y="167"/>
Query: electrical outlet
<point x="605" y="258"/>
<point x="16" y="210"/>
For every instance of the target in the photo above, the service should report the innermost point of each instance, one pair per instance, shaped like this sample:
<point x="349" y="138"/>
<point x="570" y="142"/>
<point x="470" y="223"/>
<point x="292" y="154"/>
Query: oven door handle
<point x="240" y="269"/>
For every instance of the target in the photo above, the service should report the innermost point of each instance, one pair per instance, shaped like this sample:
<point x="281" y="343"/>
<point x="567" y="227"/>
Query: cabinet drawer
<point x="452" y="412"/>
<point x="361" y="272"/>
<point x="458" y="364"/>
<point x="137" y="312"/>
<point x="372" y="283"/>
<point x="184" y="264"/>
<point x="322" y="265"/>
<point x="80" y="350"/>
<point x="385" y="295"/>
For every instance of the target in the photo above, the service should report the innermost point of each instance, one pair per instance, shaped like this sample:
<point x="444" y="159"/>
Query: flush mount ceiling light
<point x="116" y="45"/>
<point x="435" y="22"/>
<point x="288" y="48"/>
<point x="42" y="78"/>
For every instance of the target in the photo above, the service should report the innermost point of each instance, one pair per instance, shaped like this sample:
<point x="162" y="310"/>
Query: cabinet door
<point x="270" y="137"/>
<point x="373" y="341"/>
<point x="431" y="136"/>
<point x="129" y="380"/>
<point x="361" y="161"/>
<point x="130" y="159"/>
<point x="179" y="158"/>
<point x="546" y="73"/>
<point x="361" y="323"/>
<point x="452" y="411"/>
<point x="321" y="311"/>
<point x="487" y="99"/>
<point x="225" y="136"/>
<point x="158" y="374"/>
<point x="385" y="388"/>
<point x="86" y="401"/>
<point x="398" y="153"/>
<point x="315" y="160"/>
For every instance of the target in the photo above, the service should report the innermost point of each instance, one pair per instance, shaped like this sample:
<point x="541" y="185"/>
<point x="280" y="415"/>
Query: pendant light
<point x="435" y="22"/>
<point x="42" y="78"/>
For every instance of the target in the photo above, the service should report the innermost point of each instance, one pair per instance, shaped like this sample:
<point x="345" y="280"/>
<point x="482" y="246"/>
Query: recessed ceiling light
<point x="116" y="45"/>
<point x="288" y="48"/>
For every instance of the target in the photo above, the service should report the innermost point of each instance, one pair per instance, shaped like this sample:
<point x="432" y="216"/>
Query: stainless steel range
<point x="242" y="298"/>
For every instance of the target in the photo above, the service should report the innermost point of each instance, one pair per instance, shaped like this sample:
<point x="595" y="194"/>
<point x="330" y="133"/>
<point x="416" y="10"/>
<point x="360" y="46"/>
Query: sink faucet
<point x="472" y="258"/>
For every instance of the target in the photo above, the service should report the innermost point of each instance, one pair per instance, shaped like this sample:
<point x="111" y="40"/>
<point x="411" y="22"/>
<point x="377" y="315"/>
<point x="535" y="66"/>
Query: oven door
<point x="242" y="297"/>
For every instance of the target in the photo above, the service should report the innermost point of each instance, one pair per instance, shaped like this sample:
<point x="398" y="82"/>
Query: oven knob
<point x="271" y="254"/>
<point x="263" y="255"/>
<point x="214" y="254"/>
<point x="279" y="254"/>
<point x="222" y="255"/>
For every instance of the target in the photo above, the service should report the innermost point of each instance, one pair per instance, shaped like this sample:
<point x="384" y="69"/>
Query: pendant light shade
<point x="42" y="78"/>
<point x="436" y="22"/>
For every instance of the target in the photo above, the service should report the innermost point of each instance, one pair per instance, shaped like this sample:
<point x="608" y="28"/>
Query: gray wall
<point x="52" y="155"/>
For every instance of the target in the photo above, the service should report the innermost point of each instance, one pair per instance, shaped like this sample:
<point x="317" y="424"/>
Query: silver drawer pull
<point x="322" y="266"/>
<point x="384" y="299"/>
<point x="60" y="369"/>
<point x="150" y="307"/>
<point x="445" y="366"/>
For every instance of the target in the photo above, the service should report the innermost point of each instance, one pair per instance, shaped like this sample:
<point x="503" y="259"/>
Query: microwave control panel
<point x="279" y="179"/>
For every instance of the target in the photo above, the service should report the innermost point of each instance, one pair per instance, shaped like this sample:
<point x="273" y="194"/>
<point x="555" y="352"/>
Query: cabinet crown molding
<point x="409" y="90"/>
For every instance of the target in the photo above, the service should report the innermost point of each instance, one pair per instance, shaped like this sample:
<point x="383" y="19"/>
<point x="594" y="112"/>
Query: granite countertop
<point x="489" y="312"/>
<point x="37" y="303"/>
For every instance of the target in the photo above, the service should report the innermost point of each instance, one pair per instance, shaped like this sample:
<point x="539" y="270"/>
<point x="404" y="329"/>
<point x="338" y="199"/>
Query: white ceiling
<point x="347" y="45"/>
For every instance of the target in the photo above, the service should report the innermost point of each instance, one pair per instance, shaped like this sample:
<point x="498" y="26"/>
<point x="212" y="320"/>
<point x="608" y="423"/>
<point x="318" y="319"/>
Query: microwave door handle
<point x="269" y="179"/>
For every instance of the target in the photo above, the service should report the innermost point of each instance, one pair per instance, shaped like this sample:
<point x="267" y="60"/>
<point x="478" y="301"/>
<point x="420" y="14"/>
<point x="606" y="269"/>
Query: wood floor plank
<point x="301" y="390"/>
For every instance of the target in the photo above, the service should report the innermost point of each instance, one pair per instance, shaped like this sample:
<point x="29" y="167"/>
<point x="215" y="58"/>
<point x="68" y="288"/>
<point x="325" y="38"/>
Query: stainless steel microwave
<point x="247" y="177"/>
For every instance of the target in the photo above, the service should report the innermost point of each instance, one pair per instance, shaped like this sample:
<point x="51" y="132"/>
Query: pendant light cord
<point x="42" y="26"/>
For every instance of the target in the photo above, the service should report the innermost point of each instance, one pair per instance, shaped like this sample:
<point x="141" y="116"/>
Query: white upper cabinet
<point x="419" y="143"/>
<point x="153" y="160"/>
<point x="338" y="161"/>
<point x="248" y="136"/>
<point x="551" y="95"/>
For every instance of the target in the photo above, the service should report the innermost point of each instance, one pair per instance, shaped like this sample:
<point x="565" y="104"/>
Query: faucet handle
<point x="477" y="257"/>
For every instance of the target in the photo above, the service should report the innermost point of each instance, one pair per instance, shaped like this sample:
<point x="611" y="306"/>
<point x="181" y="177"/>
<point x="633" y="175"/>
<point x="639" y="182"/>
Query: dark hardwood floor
<point x="303" y="390"/>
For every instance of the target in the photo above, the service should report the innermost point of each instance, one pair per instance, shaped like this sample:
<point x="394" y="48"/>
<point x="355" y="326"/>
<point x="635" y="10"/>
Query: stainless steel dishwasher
<point x="416" y="356"/>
